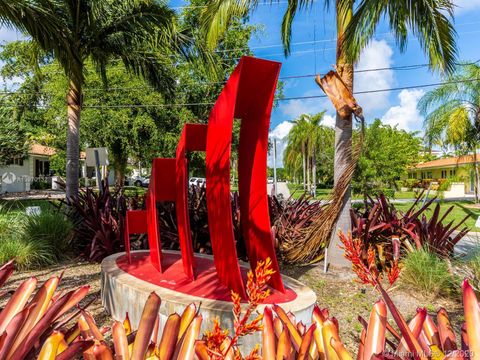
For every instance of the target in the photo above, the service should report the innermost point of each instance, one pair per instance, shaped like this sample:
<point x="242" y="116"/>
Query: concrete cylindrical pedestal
<point x="124" y="293"/>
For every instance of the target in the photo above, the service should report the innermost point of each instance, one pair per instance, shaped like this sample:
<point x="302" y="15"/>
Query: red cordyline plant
<point x="422" y="337"/>
<point x="387" y="230"/>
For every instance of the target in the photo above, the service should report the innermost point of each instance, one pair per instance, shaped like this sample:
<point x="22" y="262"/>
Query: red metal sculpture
<point x="248" y="96"/>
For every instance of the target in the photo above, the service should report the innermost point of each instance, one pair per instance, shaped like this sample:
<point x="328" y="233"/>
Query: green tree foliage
<point x="387" y="153"/>
<point x="452" y="114"/>
<point x="142" y="34"/>
<point x="309" y="151"/>
<point x="151" y="127"/>
<point x="12" y="137"/>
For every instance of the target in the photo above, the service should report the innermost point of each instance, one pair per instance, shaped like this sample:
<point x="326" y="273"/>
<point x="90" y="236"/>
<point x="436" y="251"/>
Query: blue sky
<point x="313" y="51"/>
<point x="393" y="107"/>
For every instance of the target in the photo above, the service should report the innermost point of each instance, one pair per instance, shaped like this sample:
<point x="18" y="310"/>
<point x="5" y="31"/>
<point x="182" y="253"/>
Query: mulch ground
<point x="336" y="290"/>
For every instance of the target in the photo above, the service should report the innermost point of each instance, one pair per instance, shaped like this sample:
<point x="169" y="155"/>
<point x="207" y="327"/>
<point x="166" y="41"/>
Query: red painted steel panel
<point x="254" y="103"/>
<point x="135" y="223"/>
<point x="219" y="138"/>
<point x="161" y="188"/>
<point x="193" y="138"/>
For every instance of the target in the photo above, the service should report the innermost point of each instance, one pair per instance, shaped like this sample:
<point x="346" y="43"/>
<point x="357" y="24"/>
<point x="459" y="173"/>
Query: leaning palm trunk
<point x="74" y="105"/>
<point x="310" y="247"/>
<point x="314" y="173"/>
<point x="343" y="146"/>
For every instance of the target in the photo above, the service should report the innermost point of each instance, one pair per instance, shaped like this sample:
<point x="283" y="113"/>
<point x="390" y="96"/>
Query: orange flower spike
<point x="472" y="319"/>
<point x="268" y="335"/>
<point x="431" y="331"/>
<point x="445" y="331"/>
<point x="375" y="340"/>
<point x="216" y="337"/>
<point x="254" y="354"/>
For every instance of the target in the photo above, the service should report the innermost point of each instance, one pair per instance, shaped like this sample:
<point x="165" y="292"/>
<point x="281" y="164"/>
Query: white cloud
<point x="329" y="120"/>
<point x="466" y="5"/>
<point x="281" y="130"/>
<point x="378" y="54"/>
<point x="405" y="115"/>
<point x="294" y="108"/>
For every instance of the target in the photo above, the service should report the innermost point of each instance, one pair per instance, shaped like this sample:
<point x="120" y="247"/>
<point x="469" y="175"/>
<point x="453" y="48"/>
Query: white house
<point x="19" y="173"/>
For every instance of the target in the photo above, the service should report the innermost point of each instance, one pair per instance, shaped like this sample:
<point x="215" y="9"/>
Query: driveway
<point x="282" y="189"/>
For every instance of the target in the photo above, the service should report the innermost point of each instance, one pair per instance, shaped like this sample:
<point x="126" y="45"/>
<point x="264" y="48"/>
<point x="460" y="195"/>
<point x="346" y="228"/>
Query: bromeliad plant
<point x="422" y="337"/>
<point x="25" y="322"/>
<point x="177" y="341"/>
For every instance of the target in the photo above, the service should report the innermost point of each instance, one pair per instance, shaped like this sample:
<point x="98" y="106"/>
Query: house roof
<point x="447" y="162"/>
<point x="37" y="149"/>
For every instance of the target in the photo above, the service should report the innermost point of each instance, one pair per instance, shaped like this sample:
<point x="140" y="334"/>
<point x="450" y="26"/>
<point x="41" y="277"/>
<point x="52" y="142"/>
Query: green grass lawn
<point x="322" y="194"/>
<point x="461" y="209"/>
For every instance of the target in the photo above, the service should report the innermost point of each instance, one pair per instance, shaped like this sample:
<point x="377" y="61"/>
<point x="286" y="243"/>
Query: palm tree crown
<point x="140" y="33"/>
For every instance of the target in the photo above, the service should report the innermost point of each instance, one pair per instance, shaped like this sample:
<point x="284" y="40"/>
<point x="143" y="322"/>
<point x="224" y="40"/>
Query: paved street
<point x="282" y="189"/>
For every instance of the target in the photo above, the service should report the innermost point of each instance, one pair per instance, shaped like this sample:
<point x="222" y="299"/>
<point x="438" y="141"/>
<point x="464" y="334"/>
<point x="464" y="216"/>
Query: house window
<point x="42" y="168"/>
<point x="444" y="174"/>
<point x="453" y="173"/>
<point x="16" y="160"/>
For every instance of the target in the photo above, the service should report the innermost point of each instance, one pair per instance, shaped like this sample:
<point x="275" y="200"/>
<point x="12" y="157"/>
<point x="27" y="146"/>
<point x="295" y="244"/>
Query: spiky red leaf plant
<point x="177" y="341"/>
<point x="26" y="319"/>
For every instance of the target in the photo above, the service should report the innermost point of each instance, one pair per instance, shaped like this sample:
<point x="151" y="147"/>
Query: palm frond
<point x="428" y="20"/>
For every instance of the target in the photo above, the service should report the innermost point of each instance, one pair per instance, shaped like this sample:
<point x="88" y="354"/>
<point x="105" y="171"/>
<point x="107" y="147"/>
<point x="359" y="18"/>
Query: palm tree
<point x="452" y="113"/>
<point x="302" y="141"/>
<point x="74" y="31"/>
<point x="428" y="20"/>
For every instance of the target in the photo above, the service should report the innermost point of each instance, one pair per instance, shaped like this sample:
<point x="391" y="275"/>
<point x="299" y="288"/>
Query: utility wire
<point x="122" y="106"/>
<point x="290" y="77"/>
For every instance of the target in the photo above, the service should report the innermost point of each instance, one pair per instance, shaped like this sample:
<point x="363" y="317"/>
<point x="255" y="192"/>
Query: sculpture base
<point x="125" y="288"/>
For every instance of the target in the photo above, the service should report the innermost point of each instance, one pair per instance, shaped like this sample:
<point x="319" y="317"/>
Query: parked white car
<point x="139" y="181"/>
<point x="196" y="181"/>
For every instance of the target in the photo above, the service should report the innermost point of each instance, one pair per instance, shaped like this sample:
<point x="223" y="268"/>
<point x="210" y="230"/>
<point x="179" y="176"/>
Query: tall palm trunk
<point x="343" y="139"/>
<point x="304" y="164"/>
<point x="307" y="156"/>
<point x="74" y="106"/>
<point x="477" y="175"/>
<point x="314" y="173"/>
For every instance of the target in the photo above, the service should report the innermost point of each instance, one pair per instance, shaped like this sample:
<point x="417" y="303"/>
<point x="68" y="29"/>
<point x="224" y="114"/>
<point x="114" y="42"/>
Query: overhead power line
<point x="120" y="106"/>
<point x="289" y="77"/>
